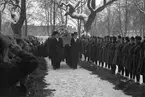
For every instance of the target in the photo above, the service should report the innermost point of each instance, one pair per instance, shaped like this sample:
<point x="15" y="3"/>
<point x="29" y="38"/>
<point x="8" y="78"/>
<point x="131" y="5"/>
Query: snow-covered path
<point x="79" y="83"/>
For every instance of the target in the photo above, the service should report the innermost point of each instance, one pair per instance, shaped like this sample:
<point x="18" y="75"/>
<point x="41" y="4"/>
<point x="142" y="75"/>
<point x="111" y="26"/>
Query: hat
<point x="132" y="38"/>
<point x="55" y="33"/>
<point x="127" y="39"/>
<point x="75" y="33"/>
<point x="138" y="38"/>
<point x="119" y="37"/>
<point x="114" y="38"/>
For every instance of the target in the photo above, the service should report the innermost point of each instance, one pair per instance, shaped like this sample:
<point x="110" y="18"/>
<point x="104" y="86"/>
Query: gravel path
<point x="79" y="83"/>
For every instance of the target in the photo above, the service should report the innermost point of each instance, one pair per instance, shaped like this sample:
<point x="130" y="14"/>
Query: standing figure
<point x="74" y="51"/>
<point x="66" y="44"/>
<point x="56" y="53"/>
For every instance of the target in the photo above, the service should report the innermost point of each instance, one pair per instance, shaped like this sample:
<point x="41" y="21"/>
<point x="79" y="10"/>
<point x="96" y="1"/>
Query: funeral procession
<point x="72" y="48"/>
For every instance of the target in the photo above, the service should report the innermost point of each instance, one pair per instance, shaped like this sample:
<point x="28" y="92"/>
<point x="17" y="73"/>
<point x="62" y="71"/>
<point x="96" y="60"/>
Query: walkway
<point x="79" y="83"/>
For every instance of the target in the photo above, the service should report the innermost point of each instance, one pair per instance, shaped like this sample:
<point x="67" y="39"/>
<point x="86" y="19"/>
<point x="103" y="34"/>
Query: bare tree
<point x="141" y="7"/>
<point x="54" y="15"/>
<point x="108" y="20"/>
<point x="20" y="7"/>
<point x="0" y="21"/>
<point x="126" y="17"/>
<point x="88" y="20"/>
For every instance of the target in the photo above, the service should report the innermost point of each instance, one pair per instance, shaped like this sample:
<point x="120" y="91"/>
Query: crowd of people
<point x="19" y="56"/>
<point x="126" y="53"/>
<point x="64" y="48"/>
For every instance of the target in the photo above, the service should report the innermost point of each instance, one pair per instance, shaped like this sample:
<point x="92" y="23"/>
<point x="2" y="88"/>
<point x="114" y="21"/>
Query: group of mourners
<point x="126" y="53"/>
<point x="64" y="47"/>
<point x="17" y="61"/>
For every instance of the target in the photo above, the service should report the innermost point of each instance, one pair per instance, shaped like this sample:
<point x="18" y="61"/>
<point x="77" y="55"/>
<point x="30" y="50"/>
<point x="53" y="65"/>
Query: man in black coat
<point x="56" y="50"/>
<point x="74" y="51"/>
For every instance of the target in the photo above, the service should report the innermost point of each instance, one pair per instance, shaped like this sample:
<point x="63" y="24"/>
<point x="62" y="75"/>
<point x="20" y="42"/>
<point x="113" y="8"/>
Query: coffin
<point x="66" y="38"/>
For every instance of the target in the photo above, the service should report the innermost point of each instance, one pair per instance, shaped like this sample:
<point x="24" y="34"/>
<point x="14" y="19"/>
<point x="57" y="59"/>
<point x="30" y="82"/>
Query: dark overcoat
<point x="75" y="50"/>
<point x="56" y="50"/>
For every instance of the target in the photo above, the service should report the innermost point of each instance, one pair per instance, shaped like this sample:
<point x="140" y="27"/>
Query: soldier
<point x="136" y="56"/>
<point x="104" y="49"/>
<point x="109" y="53"/>
<point x="100" y="51"/>
<point x="125" y="51"/>
<point x="93" y="50"/>
<point x="141" y="67"/>
<point x="97" y="51"/>
<point x="118" y="55"/>
<point x="112" y="53"/>
<point x="130" y="57"/>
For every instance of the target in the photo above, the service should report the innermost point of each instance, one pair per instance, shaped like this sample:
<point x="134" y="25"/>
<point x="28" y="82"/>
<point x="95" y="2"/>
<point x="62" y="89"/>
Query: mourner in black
<point x="56" y="53"/>
<point x="74" y="51"/>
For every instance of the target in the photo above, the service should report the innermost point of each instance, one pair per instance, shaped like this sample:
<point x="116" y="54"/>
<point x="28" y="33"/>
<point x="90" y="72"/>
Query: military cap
<point x="127" y="39"/>
<point x="55" y="33"/>
<point x="114" y="38"/>
<point x="119" y="37"/>
<point x="132" y="38"/>
<point x="138" y="38"/>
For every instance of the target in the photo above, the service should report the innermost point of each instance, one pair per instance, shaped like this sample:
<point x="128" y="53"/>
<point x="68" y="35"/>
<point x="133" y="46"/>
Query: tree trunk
<point x="144" y="21"/>
<point x="109" y="32"/>
<point x="80" y="20"/>
<point x="51" y="16"/>
<point x="26" y="28"/>
<point x="126" y="17"/>
<point x="66" y="21"/>
<point x="66" y="18"/>
<point x="17" y="27"/>
<point x="48" y="23"/>
<point x="54" y="16"/>
<point x="0" y="22"/>
<point x="88" y="23"/>
<point x="120" y="21"/>
<point x="62" y="18"/>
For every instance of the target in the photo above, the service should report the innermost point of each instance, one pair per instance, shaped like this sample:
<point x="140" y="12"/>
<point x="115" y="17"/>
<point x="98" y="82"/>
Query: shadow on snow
<point x="120" y="83"/>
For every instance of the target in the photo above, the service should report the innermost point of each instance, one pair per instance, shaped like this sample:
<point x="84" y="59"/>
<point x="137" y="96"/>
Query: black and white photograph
<point x="72" y="48"/>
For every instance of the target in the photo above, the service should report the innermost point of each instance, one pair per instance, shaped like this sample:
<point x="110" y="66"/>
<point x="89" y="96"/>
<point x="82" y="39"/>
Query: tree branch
<point x="77" y="4"/>
<point x="4" y="4"/>
<point x="13" y="4"/>
<point x="141" y="10"/>
<point x="89" y="5"/>
<point x="81" y="5"/>
<point x="104" y="5"/>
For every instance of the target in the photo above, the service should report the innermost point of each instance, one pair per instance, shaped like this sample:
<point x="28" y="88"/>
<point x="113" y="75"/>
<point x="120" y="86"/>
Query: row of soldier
<point x="17" y="60"/>
<point x="126" y="53"/>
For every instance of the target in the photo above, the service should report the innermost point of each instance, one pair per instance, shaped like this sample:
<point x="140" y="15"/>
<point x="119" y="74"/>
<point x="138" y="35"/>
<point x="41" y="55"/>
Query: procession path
<point x="79" y="83"/>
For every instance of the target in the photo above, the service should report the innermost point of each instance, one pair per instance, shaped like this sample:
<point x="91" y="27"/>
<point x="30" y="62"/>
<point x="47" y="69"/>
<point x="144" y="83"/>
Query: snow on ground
<point x="79" y="83"/>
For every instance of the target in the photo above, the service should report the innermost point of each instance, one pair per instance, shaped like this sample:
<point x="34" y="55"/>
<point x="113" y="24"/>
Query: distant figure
<point x="66" y="43"/>
<point x="74" y="51"/>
